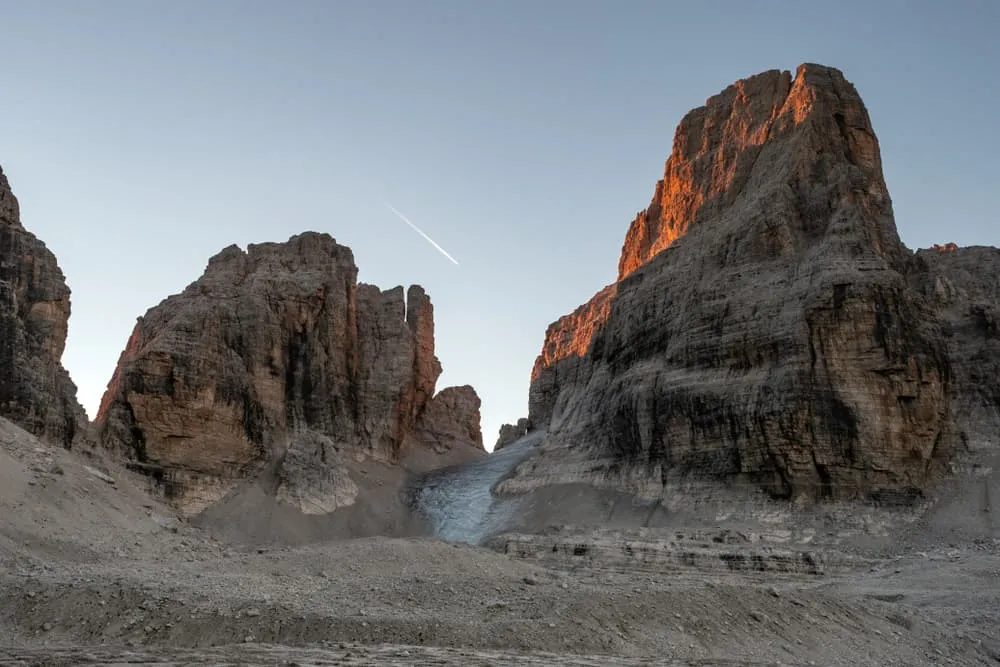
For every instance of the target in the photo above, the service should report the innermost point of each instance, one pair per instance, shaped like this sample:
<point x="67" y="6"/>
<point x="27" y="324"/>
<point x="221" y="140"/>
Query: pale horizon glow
<point x="419" y="231"/>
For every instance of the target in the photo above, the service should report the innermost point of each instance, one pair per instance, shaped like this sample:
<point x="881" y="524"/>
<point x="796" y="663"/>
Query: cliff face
<point x="35" y="391"/>
<point x="277" y="355"/>
<point x="763" y="328"/>
<point x="511" y="433"/>
<point x="559" y="368"/>
<point x="964" y="287"/>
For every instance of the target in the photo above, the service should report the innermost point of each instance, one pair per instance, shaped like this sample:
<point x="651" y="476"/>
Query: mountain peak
<point x="762" y="134"/>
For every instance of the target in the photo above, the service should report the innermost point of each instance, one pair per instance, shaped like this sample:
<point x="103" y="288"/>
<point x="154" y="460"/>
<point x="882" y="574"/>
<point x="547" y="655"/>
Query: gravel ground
<point x="92" y="571"/>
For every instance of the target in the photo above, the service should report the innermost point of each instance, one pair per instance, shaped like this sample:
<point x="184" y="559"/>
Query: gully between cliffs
<point x="458" y="501"/>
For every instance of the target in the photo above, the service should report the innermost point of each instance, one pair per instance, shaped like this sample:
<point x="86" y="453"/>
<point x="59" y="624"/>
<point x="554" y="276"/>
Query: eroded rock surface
<point x="510" y="433"/>
<point x="451" y="420"/>
<point x="964" y="287"/>
<point x="276" y="354"/>
<point x="764" y="328"/>
<point x="36" y="392"/>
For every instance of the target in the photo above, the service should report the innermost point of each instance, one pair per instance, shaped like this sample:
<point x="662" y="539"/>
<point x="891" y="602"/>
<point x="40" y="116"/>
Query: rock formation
<point x="511" y="433"/>
<point x="277" y="355"/>
<point x="964" y="287"/>
<point x="450" y="421"/>
<point x="765" y="327"/>
<point x="35" y="391"/>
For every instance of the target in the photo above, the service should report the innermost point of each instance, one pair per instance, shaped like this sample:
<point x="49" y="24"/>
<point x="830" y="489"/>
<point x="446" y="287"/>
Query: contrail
<point x="418" y="231"/>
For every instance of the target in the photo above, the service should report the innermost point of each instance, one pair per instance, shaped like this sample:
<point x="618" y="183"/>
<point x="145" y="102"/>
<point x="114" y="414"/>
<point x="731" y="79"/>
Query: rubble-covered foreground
<point x="94" y="572"/>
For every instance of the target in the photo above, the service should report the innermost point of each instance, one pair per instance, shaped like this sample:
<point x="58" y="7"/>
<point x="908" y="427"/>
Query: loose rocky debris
<point x="108" y="479"/>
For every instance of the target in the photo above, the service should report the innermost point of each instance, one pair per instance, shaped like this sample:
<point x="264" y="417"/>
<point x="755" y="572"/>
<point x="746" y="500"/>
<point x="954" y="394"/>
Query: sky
<point x="142" y="137"/>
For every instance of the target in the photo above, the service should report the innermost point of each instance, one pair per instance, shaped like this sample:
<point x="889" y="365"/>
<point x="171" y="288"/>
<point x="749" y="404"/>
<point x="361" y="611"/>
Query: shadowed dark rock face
<point x="276" y="354"/>
<point x="767" y="327"/>
<point x="964" y="286"/>
<point x="35" y="391"/>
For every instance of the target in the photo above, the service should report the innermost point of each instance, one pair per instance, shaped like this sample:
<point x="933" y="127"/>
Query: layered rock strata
<point x="964" y="287"/>
<point x="36" y="392"/>
<point x="277" y="356"/>
<point x="765" y="328"/>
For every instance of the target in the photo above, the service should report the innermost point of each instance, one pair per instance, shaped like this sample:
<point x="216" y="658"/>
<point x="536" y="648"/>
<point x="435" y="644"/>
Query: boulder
<point x="963" y="284"/>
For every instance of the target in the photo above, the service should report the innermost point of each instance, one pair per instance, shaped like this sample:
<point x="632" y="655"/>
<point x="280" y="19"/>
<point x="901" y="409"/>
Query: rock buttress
<point x="274" y="356"/>
<point x="763" y="328"/>
<point x="36" y="392"/>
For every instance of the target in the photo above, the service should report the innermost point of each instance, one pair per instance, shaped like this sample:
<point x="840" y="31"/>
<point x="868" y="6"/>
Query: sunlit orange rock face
<point x="766" y="324"/>
<point x="566" y="342"/>
<point x="35" y="390"/>
<point x="714" y="150"/>
<point x="716" y="147"/>
<point x="277" y="356"/>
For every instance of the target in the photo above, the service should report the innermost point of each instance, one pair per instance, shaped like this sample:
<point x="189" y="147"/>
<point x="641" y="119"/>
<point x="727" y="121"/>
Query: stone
<point x="277" y="357"/>
<point x="107" y="479"/>
<point x="311" y="478"/>
<point x="566" y="343"/>
<point x="450" y="421"/>
<point x="964" y="286"/>
<point x="511" y="433"/>
<point x="36" y="392"/>
<point x="767" y="327"/>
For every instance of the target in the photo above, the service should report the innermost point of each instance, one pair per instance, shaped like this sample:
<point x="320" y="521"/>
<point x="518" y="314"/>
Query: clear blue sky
<point x="523" y="135"/>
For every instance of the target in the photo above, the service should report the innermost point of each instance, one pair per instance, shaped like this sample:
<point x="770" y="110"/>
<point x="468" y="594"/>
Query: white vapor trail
<point x="418" y="231"/>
